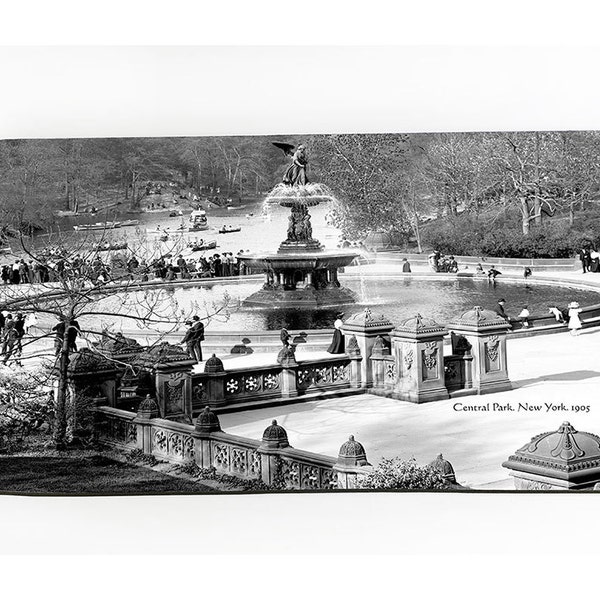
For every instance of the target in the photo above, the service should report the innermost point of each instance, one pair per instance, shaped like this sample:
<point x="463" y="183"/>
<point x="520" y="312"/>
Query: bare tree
<point x="78" y="294"/>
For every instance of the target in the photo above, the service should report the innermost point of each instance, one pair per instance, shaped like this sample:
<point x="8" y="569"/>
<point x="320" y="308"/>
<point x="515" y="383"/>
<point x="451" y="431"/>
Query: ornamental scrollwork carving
<point x="430" y="355"/>
<point x="408" y="356"/>
<point x="492" y="348"/>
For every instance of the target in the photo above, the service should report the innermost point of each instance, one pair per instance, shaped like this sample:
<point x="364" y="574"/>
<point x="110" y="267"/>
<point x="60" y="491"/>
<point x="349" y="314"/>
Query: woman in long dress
<point x="574" y="320"/>
<point x="337" y="345"/>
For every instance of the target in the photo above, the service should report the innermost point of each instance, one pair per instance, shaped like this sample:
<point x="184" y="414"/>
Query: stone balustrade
<point x="406" y="362"/>
<point x="272" y="460"/>
<point x="220" y="388"/>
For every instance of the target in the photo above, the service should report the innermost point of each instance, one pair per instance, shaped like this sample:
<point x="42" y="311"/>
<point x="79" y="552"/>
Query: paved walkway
<point x="554" y="370"/>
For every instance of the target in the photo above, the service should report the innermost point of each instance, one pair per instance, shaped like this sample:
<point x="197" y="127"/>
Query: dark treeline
<point x="395" y="183"/>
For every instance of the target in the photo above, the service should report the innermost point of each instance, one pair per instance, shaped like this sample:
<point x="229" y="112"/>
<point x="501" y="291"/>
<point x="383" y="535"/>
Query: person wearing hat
<point x="337" y="345"/>
<point x="574" y="320"/>
<point x="499" y="310"/>
<point x="193" y="338"/>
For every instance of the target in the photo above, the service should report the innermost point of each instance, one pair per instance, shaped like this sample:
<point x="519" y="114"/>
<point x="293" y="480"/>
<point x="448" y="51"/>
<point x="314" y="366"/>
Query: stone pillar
<point x="147" y="411"/>
<point x="485" y="331"/>
<point x="215" y="382"/>
<point x="418" y="349"/>
<point x="353" y="351"/>
<point x="274" y="438"/>
<point x="366" y="327"/>
<point x="378" y="363"/>
<point x="351" y="465"/>
<point x="207" y="424"/>
<point x="174" y="389"/>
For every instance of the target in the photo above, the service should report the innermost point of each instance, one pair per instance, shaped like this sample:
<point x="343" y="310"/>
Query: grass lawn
<point x="95" y="474"/>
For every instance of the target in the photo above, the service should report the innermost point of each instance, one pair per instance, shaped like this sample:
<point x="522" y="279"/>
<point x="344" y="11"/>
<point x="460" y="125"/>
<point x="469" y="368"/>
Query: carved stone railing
<point x="170" y="441"/>
<point x="327" y="374"/>
<point x="235" y="455"/>
<point x="246" y="458"/>
<point x="116" y="427"/>
<point x="253" y="384"/>
<point x="300" y="470"/>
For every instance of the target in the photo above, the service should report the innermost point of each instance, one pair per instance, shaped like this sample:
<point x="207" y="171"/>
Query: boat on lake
<point x="97" y="226"/>
<point x="198" y="221"/>
<point x="229" y="229"/>
<point x="199" y="246"/>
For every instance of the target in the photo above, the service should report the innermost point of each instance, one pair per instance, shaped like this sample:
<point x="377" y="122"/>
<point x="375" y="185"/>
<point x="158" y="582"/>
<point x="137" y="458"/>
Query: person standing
<point x="9" y="338"/>
<point x="594" y="261"/>
<point x="574" y="321"/>
<point x="20" y="329"/>
<point x="15" y="279"/>
<point x="585" y="258"/>
<point x="527" y="272"/>
<point x="71" y="329"/>
<point x="193" y="338"/>
<point x="405" y="266"/>
<point x="188" y="339"/>
<point x="337" y="342"/>
<point x="198" y="327"/>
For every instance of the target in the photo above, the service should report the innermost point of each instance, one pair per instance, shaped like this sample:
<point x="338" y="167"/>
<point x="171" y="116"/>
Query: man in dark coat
<point x="72" y="329"/>
<point x="499" y="310"/>
<point x="586" y="259"/>
<point x="10" y="337"/>
<point x="193" y="339"/>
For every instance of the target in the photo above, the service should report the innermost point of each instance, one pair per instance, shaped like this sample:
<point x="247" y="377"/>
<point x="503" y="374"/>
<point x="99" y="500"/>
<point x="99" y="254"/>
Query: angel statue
<point x="296" y="172"/>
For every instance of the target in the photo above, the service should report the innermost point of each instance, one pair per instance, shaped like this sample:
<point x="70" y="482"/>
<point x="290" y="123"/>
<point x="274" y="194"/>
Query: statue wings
<point x="288" y="149"/>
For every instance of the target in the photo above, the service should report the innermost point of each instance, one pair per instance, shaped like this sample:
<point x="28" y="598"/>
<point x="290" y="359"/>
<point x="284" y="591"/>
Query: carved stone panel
<point x="492" y="354"/>
<point x="429" y="357"/>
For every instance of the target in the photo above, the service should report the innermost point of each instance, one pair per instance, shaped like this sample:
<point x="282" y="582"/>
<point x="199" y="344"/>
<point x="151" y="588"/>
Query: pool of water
<point x="397" y="298"/>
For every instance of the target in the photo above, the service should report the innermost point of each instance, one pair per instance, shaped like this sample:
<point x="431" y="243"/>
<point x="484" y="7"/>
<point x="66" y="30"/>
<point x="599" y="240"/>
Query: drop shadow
<point x="568" y="376"/>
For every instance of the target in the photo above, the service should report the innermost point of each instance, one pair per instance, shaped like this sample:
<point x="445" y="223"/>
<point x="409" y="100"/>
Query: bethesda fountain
<point x="301" y="273"/>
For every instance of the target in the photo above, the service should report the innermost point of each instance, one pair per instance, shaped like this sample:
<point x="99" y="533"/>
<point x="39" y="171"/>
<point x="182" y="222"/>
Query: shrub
<point x="398" y="474"/>
<point x="24" y="409"/>
<point x="469" y="236"/>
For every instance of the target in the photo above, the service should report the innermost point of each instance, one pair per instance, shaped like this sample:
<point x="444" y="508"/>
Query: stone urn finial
<point x="214" y="365"/>
<point x="148" y="408"/>
<point x="352" y="454"/>
<point x="275" y="436"/>
<point x="444" y="467"/>
<point x="207" y="421"/>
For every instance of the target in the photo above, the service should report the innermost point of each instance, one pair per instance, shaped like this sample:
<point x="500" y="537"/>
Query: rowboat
<point x="206" y="246"/>
<point x="229" y="229"/>
<point x="96" y="226"/>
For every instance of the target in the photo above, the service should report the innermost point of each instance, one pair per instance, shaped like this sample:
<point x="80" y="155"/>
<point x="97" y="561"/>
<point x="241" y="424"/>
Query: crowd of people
<point x="590" y="260"/>
<point x="56" y="267"/>
<point x="441" y="263"/>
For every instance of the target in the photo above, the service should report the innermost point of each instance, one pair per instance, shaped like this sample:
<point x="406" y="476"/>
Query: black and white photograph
<point x="297" y="298"/>
<point x="313" y="313"/>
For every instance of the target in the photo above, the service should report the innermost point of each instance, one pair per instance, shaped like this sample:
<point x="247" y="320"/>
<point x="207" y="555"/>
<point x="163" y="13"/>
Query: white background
<point x="128" y="91"/>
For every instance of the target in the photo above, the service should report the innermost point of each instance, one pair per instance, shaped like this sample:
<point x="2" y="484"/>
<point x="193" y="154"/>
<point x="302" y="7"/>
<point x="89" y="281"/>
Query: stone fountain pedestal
<point x="301" y="274"/>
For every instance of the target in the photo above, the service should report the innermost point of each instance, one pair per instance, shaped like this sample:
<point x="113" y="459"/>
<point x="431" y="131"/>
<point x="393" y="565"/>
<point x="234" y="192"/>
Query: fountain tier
<point x="300" y="276"/>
